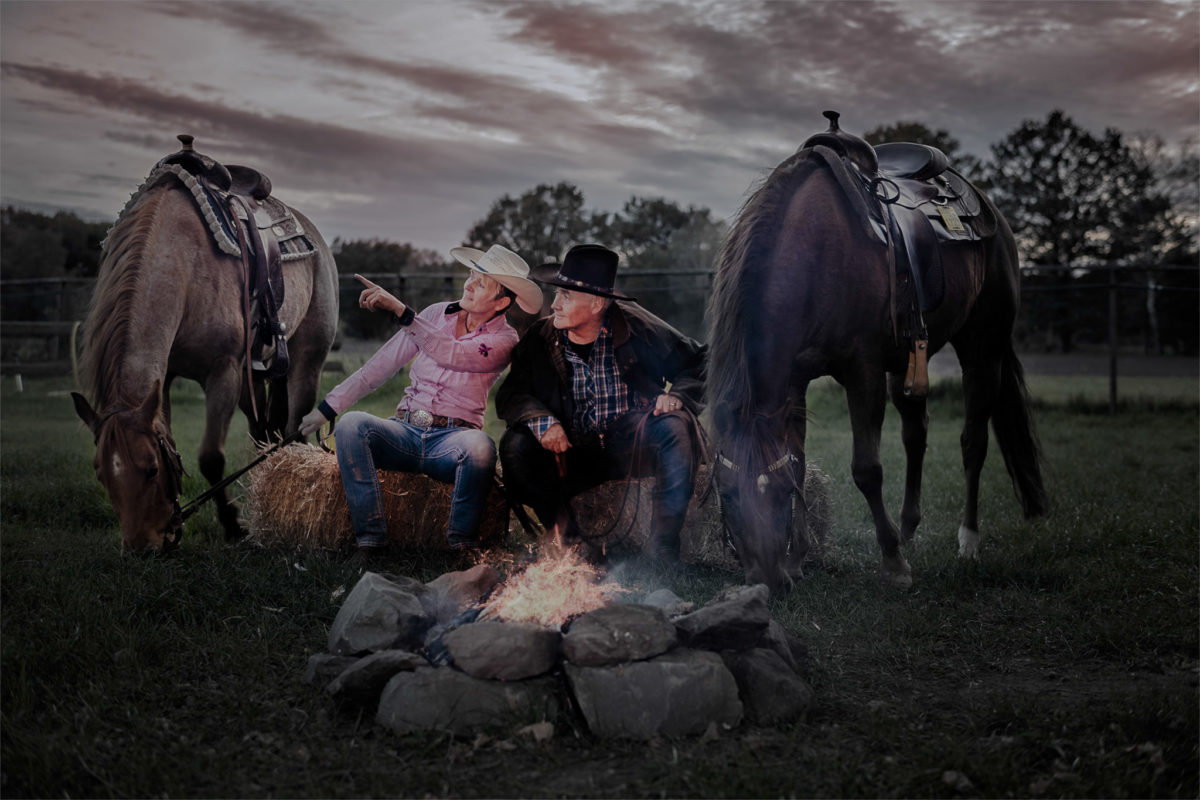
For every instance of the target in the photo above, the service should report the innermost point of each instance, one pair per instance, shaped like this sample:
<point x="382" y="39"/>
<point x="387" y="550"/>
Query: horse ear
<point x="84" y="409"/>
<point x="153" y="402"/>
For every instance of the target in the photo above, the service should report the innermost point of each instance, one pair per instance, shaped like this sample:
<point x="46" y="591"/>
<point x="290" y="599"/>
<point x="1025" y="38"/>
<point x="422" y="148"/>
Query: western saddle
<point x="245" y="220"/>
<point x="911" y="200"/>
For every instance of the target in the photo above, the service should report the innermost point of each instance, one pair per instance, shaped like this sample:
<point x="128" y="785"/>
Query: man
<point x="457" y="350"/>
<point x="587" y="400"/>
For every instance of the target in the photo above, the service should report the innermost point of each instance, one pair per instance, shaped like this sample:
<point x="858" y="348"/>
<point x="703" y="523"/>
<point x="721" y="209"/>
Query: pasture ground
<point x="1063" y="664"/>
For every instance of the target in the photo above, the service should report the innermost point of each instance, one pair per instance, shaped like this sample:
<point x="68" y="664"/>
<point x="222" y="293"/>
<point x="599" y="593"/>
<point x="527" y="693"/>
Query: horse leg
<point x="302" y="385"/>
<point x="221" y="390"/>
<point x="914" y="431"/>
<point x="865" y="397"/>
<point x="981" y="381"/>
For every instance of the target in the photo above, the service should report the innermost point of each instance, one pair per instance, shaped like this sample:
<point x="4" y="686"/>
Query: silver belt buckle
<point x="421" y="418"/>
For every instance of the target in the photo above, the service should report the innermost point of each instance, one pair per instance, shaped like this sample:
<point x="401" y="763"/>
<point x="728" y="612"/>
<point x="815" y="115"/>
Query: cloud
<point x="418" y="116"/>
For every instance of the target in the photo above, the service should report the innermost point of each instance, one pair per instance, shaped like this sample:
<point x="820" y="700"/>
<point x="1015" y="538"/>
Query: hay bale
<point x="295" y="497"/>
<point x="618" y="514"/>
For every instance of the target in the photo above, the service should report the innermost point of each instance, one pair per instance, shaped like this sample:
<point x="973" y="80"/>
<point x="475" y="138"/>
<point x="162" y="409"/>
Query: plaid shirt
<point x="596" y="386"/>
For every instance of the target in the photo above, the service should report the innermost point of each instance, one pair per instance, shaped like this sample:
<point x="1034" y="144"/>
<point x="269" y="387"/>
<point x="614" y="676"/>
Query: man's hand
<point x="555" y="439"/>
<point x="312" y="422"/>
<point x="666" y="403"/>
<point x="376" y="298"/>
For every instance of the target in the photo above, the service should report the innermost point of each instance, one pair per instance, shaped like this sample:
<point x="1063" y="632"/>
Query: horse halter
<point x="173" y="462"/>
<point x="786" y="460"/>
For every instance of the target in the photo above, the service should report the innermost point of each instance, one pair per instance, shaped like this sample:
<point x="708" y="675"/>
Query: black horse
<point x="804" y="289"/>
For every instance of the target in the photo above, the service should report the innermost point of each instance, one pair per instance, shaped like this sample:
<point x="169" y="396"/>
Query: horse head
<point x="140" y="468"/>
<point x="758" y="487"/>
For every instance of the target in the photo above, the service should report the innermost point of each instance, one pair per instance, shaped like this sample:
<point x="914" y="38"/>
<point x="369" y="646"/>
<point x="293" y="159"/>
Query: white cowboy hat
<point x="507" y="269"/>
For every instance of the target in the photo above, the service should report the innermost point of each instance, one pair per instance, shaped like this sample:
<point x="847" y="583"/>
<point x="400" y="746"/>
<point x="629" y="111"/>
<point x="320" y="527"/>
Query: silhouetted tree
<point x="379" y="258"/>
<point x="654" y="233"/>
<point x="35" y="245"/>
<point x="539" y="224"/>
<point x="1072" y="198"/>
<point x="918" y="133"/>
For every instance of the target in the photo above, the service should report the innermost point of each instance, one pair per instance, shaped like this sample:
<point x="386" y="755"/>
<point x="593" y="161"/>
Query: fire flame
<point x="558" y="586"/>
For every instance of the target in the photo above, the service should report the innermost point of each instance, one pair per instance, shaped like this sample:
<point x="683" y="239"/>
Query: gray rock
<point x="324" y="667"/>
<point x="770" y="690"/>
<point x="790" y="648"/>
<point x="363" y="681"/>
<point x="506" y="651"/>
<point x="449" y="700"/>
<point x="613" y="634"/>
<point x="379" y="614"/>
<point x="450" y="594"/>
<point x="733" y="620"/>
<point x="668" y="602"/>
<point x="677" y="694"/>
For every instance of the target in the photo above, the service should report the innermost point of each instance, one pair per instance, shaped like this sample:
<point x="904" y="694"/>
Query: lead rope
<point x="208" y="494"/>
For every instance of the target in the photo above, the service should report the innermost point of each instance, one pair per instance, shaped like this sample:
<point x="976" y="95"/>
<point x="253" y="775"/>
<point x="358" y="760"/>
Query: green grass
<point x="1064" y="663"/>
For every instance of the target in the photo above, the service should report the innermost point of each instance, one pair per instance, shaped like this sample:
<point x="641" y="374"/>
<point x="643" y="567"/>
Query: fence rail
<point x="40" y="315"/>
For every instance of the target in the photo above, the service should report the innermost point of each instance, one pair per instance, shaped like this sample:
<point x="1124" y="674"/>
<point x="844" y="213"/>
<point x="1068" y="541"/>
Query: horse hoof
<point x="896" y="572"/>
<point x="968" y="543"/>
<point x="236" y="533"/>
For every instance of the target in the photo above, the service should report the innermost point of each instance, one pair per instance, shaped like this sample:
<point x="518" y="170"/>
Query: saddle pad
<point x="294" y="244"/>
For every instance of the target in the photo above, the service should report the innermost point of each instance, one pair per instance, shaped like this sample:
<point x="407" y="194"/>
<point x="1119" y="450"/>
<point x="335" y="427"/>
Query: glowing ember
<point x="558" y="586"/>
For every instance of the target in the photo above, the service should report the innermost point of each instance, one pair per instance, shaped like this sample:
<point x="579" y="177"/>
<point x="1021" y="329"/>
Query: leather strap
<point x="438" y="421"/>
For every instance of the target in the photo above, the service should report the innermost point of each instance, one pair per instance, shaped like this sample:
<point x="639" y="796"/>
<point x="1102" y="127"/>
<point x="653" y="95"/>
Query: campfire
<point x="559" y="640"/>
<point x="559" y="586"/>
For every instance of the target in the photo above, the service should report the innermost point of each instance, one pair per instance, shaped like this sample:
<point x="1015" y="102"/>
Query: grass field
<point x="1063" y="664"/>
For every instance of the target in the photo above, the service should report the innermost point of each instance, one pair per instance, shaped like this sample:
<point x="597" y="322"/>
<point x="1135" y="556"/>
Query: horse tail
<point x="1017" y="436"/>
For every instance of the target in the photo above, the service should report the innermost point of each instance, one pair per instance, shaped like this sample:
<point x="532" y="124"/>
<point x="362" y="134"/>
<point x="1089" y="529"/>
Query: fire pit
<point x="470" y="650"/>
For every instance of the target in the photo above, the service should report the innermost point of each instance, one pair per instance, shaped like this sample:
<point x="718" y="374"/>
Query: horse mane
<point x="749" y="241"/>
<point x="111" y="311"/>
<point x="747" y="437"/>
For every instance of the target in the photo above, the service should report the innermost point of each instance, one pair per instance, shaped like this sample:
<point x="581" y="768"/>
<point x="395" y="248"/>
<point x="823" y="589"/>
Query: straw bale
<point x="618" y="514"/>
<point x="295" y="497"/>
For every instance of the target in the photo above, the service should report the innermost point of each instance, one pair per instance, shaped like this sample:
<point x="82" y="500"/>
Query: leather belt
<point x="424" y="419"/>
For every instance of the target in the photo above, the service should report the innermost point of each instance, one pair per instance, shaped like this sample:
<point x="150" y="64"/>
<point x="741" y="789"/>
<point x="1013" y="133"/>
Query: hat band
<point x="581" y="284"/>
<point x="479" y="266"/>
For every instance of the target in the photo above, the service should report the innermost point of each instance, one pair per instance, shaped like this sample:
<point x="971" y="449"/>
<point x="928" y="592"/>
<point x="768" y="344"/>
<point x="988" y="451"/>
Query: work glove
<point x="312" y="422"/>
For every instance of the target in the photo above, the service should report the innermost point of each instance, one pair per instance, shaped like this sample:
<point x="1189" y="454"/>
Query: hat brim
<point x="529" y="294"/>
<point x="548" y="274"/>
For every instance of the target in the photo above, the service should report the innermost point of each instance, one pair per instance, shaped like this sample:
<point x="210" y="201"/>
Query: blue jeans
<point x="663" y="449"/>
<point x="464" y="457"/>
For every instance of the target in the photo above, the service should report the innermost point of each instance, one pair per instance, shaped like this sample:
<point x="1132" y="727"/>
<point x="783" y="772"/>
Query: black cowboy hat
<point x="588" y="268"/>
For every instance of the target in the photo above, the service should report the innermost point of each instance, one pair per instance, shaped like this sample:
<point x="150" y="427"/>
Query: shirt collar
<point x="484" y="327"/>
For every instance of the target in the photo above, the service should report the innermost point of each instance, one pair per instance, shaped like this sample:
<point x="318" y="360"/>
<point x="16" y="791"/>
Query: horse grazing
<point x="804" y="288"/>
<point x="172" y="301"/>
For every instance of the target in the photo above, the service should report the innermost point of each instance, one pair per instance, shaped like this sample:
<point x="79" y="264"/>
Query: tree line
<point x="1072" y="197"/>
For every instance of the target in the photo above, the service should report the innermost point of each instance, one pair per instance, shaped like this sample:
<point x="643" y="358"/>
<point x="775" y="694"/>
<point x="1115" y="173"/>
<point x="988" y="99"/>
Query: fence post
<point x="1112" y="340"/>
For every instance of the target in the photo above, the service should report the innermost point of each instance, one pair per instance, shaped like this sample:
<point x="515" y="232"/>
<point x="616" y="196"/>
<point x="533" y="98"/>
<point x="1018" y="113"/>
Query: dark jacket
<point x="649" y="353"/>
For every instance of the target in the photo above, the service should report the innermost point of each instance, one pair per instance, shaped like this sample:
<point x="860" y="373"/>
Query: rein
<point x="194" y="506"/>
<point x="788" y="460"/>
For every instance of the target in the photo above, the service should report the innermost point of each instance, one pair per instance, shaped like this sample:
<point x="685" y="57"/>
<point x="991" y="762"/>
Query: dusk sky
<point x="406" y="120"/>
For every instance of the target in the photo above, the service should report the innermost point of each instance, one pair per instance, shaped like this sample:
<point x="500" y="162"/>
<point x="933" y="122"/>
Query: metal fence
<point x="1151" y="308"/>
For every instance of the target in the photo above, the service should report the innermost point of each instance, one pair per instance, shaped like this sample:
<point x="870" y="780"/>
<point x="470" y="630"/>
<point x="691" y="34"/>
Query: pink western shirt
<point x="449" y="377"/>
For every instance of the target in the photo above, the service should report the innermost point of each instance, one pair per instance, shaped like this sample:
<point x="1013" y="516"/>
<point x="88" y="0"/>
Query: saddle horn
<point x="198" y="164"/>
<point x="844" y="144"/>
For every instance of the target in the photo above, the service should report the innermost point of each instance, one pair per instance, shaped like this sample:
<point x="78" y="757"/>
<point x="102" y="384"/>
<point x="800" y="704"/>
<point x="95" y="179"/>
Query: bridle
<point x="173" y="462"/>
<point x="788" y="460"/>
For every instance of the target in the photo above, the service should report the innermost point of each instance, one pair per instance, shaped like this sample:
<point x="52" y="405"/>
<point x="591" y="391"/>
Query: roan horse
<point x="169" y="303"/>
<point x="803" y="290"/>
